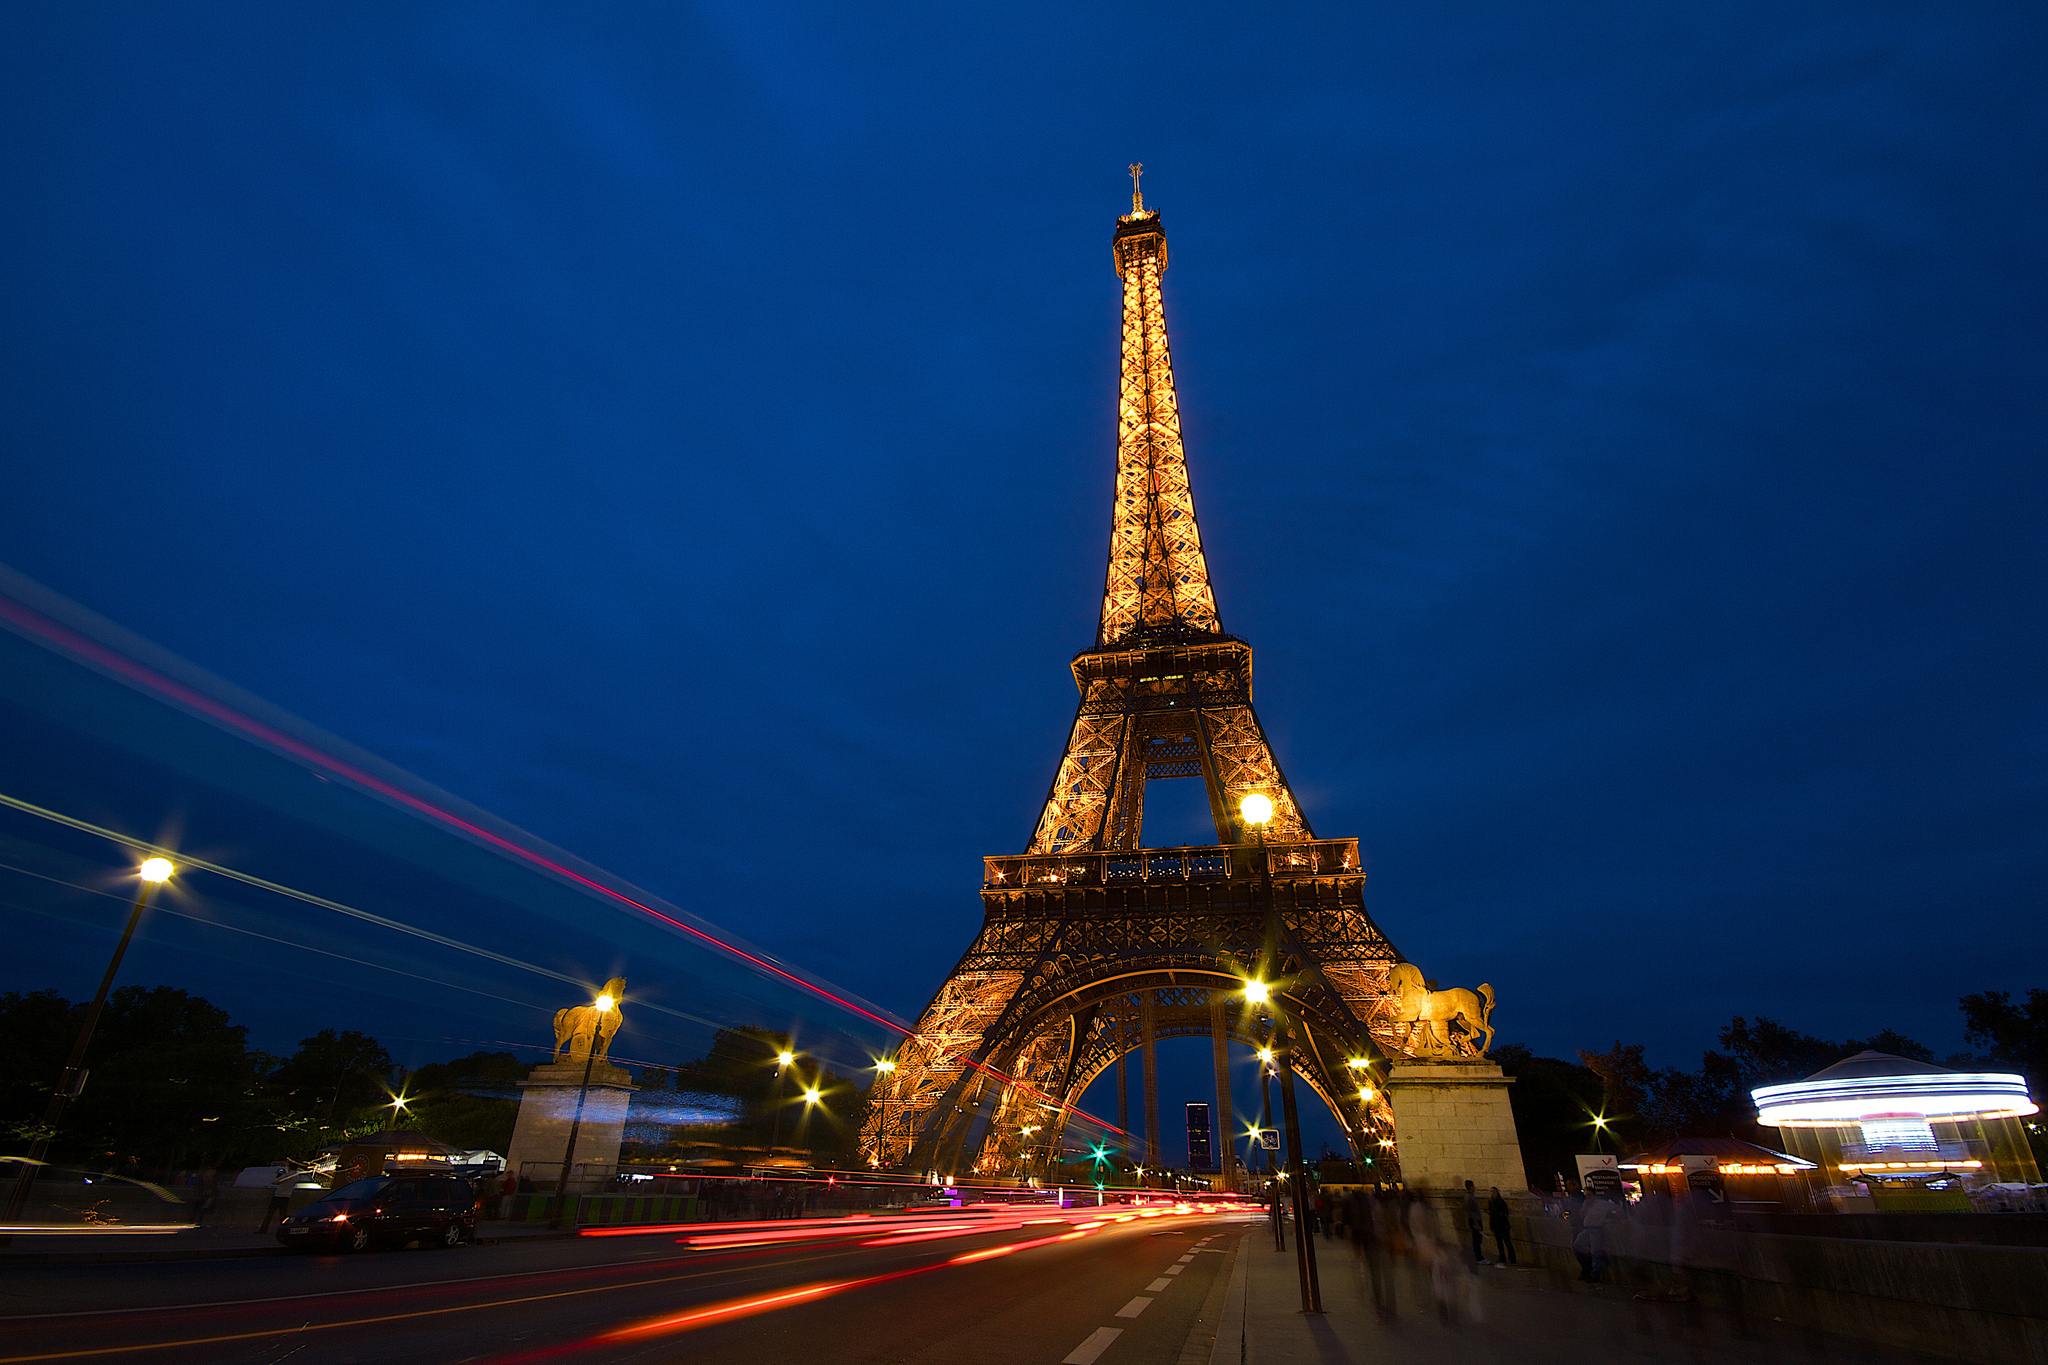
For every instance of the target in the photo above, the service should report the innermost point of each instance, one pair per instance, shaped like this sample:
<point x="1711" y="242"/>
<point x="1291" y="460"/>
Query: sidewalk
<point x="1505" y="1315"/>
<point x="210" y="1241"/>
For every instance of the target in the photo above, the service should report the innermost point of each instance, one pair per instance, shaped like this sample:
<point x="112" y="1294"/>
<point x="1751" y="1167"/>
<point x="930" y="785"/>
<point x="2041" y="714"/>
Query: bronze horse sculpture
<point x="1423" y="1009"/>
<point x="586" y="1030"/>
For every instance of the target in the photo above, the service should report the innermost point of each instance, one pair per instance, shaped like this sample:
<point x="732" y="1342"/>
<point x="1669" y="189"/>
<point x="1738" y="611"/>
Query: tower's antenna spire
<point x="1137" y="190"/>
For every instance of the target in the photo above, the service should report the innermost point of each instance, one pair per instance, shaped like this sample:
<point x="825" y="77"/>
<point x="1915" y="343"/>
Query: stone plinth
<point x="547" y="1107"/>
<point x="1452" y="1124"/>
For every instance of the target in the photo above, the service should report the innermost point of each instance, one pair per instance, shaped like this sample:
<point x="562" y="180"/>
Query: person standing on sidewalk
<point x="1503" y="1238"/>
<point x="1474" y="1224"/>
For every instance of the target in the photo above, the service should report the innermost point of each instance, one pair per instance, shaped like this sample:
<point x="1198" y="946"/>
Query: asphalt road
<point x="1131" y="1291"/>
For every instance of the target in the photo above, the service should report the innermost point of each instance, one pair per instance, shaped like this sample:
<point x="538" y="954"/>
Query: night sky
<point x="687" y="434"/>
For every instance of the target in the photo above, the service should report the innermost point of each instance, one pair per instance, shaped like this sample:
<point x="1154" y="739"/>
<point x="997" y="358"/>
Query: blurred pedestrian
<point x="1503" y="1238"/>
<point x="280" y="1204"/>
<point x="1370" y="1232"/>
<point x="1589" y="1241"/>
<point x="1474" y="1224"/>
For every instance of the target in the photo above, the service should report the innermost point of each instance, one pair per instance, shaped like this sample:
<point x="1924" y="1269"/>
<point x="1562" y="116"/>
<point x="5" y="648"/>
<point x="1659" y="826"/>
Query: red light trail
<point x="37" y="625"/>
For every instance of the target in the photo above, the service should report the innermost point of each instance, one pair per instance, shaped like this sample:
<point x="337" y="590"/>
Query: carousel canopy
<point x="1876" y="1085"/>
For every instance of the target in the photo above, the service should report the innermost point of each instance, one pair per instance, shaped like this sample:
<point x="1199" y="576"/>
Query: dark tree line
<point x="1614" y="1101"/>
<point x="741" y="1065"/>
<point x="173" y="1084"/>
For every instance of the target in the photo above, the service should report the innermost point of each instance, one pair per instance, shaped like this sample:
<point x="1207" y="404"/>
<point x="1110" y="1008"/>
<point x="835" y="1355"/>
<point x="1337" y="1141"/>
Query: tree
<point x="471" y="1102"/>
<point x="1554" y="1103"/>
<point x="2015" y="1036"/>
<point x="336" y="1082"/>
<point x="170" y="1082"/>
<point x="741" y="1064"/>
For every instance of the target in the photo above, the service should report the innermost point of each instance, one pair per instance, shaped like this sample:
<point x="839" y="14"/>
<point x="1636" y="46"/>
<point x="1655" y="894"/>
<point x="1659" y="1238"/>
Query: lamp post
<point x="154" y="872"/>
<point x="604" y="1005"/>
<point x="1269" y="1161"/>
<point x="783" y="1061"/>
<point x="1257" y="809"/>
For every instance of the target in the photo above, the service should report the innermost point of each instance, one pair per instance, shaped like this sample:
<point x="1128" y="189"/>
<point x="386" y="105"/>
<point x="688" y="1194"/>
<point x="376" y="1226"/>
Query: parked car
<point x="385" y="1210"/>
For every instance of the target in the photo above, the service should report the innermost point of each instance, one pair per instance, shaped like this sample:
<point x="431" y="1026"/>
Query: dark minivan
<point x="438" y="1210"/>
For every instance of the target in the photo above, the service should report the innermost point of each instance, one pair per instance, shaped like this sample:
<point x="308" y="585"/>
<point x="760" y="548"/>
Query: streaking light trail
<point x="41" y="623"/>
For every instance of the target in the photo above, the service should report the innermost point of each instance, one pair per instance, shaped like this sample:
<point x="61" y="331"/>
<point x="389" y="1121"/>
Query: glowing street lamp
<point x="885" y="1066"/>
<point x="812" y="1094"/>
<point x="1257" y="992"/>
<point x="153" y="873"/>
<point x="785" y="1057"/>
<point x="1257" y="809"/>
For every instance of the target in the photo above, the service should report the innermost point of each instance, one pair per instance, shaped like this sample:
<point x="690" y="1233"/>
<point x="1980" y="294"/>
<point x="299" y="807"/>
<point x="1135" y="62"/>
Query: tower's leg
<point x="1123" y="1100"/>
<point x="1223" y="1140"/>
<point x="1148" y="1014"/>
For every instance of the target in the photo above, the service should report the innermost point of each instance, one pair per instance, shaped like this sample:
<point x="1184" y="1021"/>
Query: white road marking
<point x="1085" y="1353"/>
<point x="1213" y="1251"/>
<point x="1134" y="1307"/>
<point x="1156" y="1286"/>
<point x="1185" y="1259"/>
<point x="1175" y="1269"/>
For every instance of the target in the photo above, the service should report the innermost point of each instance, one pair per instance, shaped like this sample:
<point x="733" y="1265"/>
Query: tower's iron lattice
<point x="1093" y="947"/>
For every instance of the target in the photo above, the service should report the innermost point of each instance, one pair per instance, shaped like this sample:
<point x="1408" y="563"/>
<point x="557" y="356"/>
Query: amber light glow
<point x="156" y="870"/>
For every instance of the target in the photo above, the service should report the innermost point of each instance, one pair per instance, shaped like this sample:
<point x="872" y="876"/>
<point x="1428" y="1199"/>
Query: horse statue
<point x="1462" y="1013"/>
<point x="586" y="1030"/>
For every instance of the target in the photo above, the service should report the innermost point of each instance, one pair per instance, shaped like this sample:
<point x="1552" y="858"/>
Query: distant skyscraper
<point x="1199" y="1156"/>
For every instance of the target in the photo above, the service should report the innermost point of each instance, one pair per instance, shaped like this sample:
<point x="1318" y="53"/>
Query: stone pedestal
<point x="1452" y="1124"/>
<point x="547" y="1106"/>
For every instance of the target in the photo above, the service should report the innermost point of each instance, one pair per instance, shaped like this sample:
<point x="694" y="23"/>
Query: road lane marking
<point x="1185" y="1259"/>
<point x="1175" y="1269"/>
<point x="1157" y="1285"/>
<point x="1134" y="1307"/>
<point x="1085" y="1353"/>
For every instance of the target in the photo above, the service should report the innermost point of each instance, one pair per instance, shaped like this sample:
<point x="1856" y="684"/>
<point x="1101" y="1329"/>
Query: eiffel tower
<point x="1093" y="947"/>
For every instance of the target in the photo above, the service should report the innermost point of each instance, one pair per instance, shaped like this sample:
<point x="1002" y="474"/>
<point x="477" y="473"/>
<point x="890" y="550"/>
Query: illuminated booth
<point x="1726" y="1170"/>
<point x="1895" y="1135"/>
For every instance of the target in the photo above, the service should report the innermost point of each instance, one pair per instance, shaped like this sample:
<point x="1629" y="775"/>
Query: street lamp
<point x="1257" y="810"/>
<point x="605" y="1004"/>
<point x="783" y="1061"/>
<point x="154" y="872"/>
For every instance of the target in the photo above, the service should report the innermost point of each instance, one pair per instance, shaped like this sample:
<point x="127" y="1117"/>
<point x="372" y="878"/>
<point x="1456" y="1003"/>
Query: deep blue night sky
<point x="687" y="433"/>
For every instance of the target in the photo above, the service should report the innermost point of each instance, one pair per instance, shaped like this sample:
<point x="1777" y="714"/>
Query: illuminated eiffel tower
<point x="1093" y="947"/>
